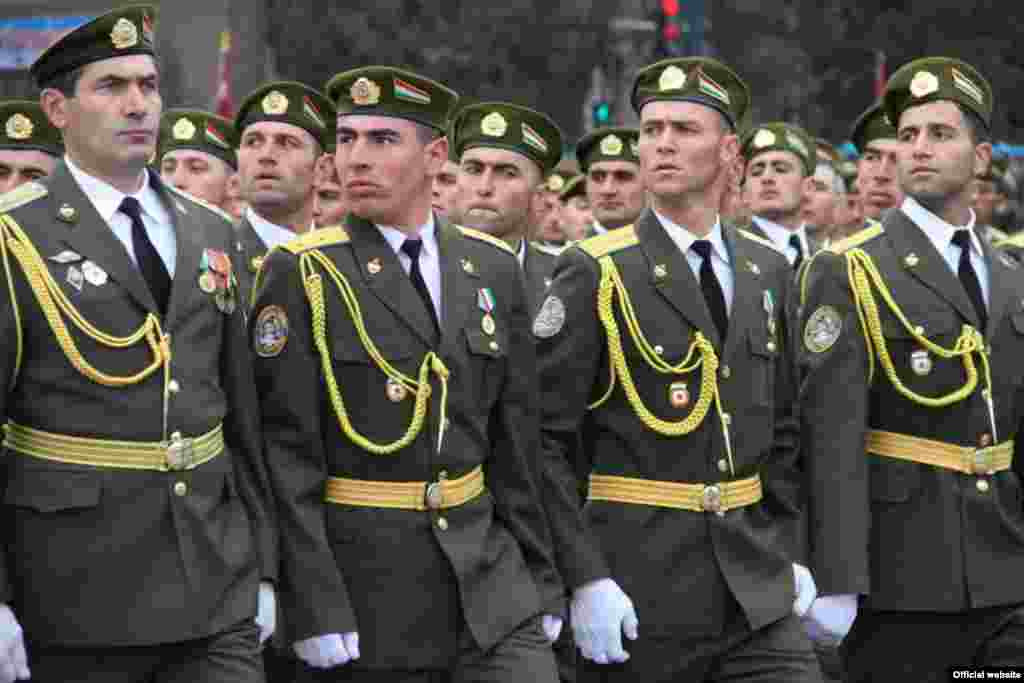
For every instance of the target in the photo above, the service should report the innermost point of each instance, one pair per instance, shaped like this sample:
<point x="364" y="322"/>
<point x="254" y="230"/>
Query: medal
<point x="94" y="275"/>
<point x="75" y="278"/>
<point x="485" y="301"/>
<point x="920" y="362"/>
<point x="678" y="394"/>
<point x="395" y="390"/>
<point x="207" y="282"/>
<point x="487" y="324"/>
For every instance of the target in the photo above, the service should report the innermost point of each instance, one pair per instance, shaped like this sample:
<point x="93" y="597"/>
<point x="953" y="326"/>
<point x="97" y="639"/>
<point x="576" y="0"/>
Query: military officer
<point x="29" y="144"/>
<point x="780" y="169"/>
<point x="916" y="518"/>
<point x="821" y="201"/>
<point x="609" y="159"/>
<point x="329" y="201"/>
<point x="666" y="377"/>
<point x="874" y="136"/>
<point x="137" y="519"/>
<point x="283" y="128"/>
<point x="577" y="218"/>
<point x="504" y="151"/>
<point x="196" y="153"/>
<point x="414" y="545"/>
<point x="547" y="218"/>
<point x="445" y="190"/>
<point x="989" y="191"/>
<point x="849" y="212"/>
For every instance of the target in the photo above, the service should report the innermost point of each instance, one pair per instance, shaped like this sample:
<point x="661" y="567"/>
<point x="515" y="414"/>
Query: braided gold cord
<point x="313" y="284"/>
<point x="864" y="279"/>
<point x="19" y="335"/>
<point x="54" y="303"/>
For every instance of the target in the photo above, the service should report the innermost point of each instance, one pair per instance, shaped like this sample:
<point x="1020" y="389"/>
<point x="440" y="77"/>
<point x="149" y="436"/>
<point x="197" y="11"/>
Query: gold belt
<point x="180" y="453"/>
<point x="719" y="498"/>
<point x="977" y="461"/>
<point x="406" y="495"/>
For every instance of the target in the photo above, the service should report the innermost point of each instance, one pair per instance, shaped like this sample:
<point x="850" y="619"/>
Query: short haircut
<point x="427" y="134"/>
<point x="976" y="127"/>
<point x="66" y="83"/>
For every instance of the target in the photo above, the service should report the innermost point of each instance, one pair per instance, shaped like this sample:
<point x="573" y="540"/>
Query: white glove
<point x="806" y="590"/>
<point x="13" y="659"/>
<point x="552" y="627"/>
<point x="266" y="611"/>
<point x="830" y="618"/>
<point x="333" y="649"/>
<point x="601" y="613"/>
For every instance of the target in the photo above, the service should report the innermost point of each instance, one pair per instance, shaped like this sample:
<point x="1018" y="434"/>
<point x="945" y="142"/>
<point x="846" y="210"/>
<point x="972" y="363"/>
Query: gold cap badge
<point x="611" y="146"/>
<point x="555" y="183"/>
<point x="494" y="124"/>
<point x="924" y="83"/>
<point x="672" y="78"/>
<point x="364" y="92"/>
<point x="184" y="129"/>
<point x="19" y="127"/>
<point x="124" y="34"/>
<point x="275" y="103"/>
<point x="764" y="138"/>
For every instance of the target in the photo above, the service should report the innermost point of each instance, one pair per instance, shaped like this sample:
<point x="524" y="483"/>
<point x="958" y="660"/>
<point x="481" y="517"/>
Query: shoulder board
<point x="484" y="237"/>
<point x="873" y="230"/>
<point x="760" y="240"/>
<point x="552" y="251"/>
<point x="315" y="239"/>
<point x="201" y="202"/>
<point x="21" y="195"/>
<point x="997" y="234"/>
<point x="610" y="242"/>
<point x="1015" y="240"/>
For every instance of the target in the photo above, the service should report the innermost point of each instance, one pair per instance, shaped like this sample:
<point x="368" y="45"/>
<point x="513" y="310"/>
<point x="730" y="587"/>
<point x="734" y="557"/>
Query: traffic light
<point x="601" y="113"/>
<point x="674" y="28"/>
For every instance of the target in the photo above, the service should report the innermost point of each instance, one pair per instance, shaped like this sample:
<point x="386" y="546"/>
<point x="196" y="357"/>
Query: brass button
<point x="494" y="346"/>
<point x="919" y="330"/>
<point x="176" y="436"/>
<point x="727" y="419"/>
<point x="442" y="524"/>
<point x="180" y="489"/>
<point x="985" y="441"/>
<point x="723" y="465"/>
<point x="442" y="475"/>
<point x="659" y="349"/>
<point x="982" y="485"/>
<point x="771" y="346"/>
<point x="173" y="386"/>
<point x="726" y="372"/>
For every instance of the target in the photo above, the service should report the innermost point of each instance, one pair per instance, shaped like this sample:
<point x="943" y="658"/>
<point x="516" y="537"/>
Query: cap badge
<point x="275" y="103"/>
<point x="611" y="146"/>
<point x="924" y="83"/>
<point x="672" y="78"/>
<point x="556" y="183"/>
<point x="534" y="139"/>
<point x="364" y="92"/>
<point x="19" y="127"/>
<point x="184" y="129"/>
<point x="764" y="138"/>
<point x="124" y="34"/>
<point x="494" y="124"/>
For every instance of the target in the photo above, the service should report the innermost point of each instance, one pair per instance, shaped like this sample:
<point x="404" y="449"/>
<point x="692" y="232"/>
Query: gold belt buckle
<point x="981" y="463"/>
<point x="434" y="496"/>
<point x="180" y="453"/>
<point x="711" y="499"/>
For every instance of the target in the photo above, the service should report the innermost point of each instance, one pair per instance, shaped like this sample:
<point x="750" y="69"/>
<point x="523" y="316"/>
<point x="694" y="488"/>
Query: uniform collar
<point x="272" y="234"/>
<point x="684" y="239"/>
<point x="939" y="232"/>
<point x="426" y="232"/>
<point x="521" y="253"/>
<point x="779" y="234"/>
<point x="107" y="198"/>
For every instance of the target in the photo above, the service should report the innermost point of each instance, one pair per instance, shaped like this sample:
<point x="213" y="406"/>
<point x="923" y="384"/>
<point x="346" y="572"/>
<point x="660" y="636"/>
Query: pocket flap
<point x="484" y="344"/>
<point x="52" y="490"/>
<point x="935" y="323"/>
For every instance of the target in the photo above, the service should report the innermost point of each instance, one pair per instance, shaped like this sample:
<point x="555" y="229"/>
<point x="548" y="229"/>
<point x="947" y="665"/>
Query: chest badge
<point x="678" y="394"/>
<point x="485" y="301"/>
<point x="921" y="362"/>
<point x="395" y="390"/>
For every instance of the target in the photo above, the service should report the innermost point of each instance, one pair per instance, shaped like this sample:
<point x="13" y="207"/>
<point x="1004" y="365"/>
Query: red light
<point x="671" y="32"/>
<point x="670" y="7"/>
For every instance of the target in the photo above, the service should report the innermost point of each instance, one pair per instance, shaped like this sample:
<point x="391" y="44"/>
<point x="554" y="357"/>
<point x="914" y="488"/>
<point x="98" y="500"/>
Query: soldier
<point x="916" y="520"/>
<point x="821" y="201"/>
<point x="445" y="191"/>
<point x="284" y="128"/>
<point x="608" y="157"/>
<point x="577" y="217"/>
<point x="874" y="136"/>
<point x="989" y="189"/>
<point x="547" y="218"/>
<point x="849" y="212"/>
<point x="30" y="146"/>
<point x="329" y="202"/>
<point x="780" y="169"/>
<point x="137" y="522"/>
<point x="500" y="171"/>
<point x="196" y="153"/>
<point x="414" y="546"/>
<point x="826" y="151"/>
<point x="666" y="377"/>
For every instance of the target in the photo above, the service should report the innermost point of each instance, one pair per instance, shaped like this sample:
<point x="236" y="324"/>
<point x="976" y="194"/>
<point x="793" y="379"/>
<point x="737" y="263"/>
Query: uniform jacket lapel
<point x="190" y="236"/>
<point x="747" y="292"/>
<point x="1000" y="290"/>
<point x="459" y="283"/>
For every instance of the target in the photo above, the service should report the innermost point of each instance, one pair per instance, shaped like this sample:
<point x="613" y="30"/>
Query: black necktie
<point x="150" y="264"/>
<point x="968" y="276"/>
<point x="412" y="248"/>
<point x="711" y="288"/>
<point x="794" y="242"/>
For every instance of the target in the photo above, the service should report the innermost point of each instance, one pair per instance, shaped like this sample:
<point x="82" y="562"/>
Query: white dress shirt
<point x="598" y="228"/>
<point x="780" y="234"/>
<point x="521" y="253"/>
<point x="272" y="234"/>
<point x="720" y="262"/>
<point x="940" y="233"/>
<point x="155" y="216"/>
<point x="430" y="257"/>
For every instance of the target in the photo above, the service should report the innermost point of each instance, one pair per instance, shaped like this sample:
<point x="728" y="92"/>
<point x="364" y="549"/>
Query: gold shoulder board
<point x="21" y="195"/>
<point x="610" y="242"/>
<point x="201" y="202"/>
<point x="1016" y="240"/>
<point x="315" y="239"/>
<point x="484" y="237"/>
<point x="873" y="230"/>
<point x="760" y="240"/>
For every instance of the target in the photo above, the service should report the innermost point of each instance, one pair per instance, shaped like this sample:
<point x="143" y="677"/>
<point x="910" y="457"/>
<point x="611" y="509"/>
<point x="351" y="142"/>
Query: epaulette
<point x="21" y="195"/>
<point x="201" y="202"/>
<point x="610" y="242"/>
<point x="997" y="235"/>
<point x="1015" y="240"/>
<point x="873" y="230"/>
<point x="484" y="237"/>
<point x="547" y="249"/>
<point x="760" y="240"/>
<point x="315" y="239"/>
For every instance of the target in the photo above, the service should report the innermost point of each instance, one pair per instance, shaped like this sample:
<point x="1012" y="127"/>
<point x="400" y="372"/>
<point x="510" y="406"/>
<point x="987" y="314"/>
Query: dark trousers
<point x="232" y="656"/>
<point x="922" y="646"/>
<point x="777" y="653"/>
<point x="524" y="656"/>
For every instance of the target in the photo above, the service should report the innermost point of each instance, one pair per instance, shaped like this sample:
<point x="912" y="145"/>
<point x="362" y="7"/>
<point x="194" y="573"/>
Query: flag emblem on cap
<point x="924" y="83"/>
<point x="275" y="103"/>
<point x="533" y="138"/>
<point x="410" y="93"/>
<point x="966" y="85"/>
<point x="310" y="110"/>
<point x="147" y="27"/>
<point x="672" y="78"/>
<point x="19" y="127"/>
<point x="214" y="136"/>
<point x="184" y="129"/>
<point x="364" y="92"/>
<point x="124" y="34"/>
<point x="708" y="86"/>
<point x="611" y="145"/>
<point x="494" y="124"/>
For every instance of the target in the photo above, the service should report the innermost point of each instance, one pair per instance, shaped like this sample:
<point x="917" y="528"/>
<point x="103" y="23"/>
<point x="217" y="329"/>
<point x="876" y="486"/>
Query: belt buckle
<point x="434" y="497"/>
<point x="180" y="453"/>
<point x="981" y="463"/>
<point x="711" y="499"/>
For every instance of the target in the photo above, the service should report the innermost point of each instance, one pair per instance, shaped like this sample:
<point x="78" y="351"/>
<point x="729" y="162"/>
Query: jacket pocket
<point x="52" y="490"/>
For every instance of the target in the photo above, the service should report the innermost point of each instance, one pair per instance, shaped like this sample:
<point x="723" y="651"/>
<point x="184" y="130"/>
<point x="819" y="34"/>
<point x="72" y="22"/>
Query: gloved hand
<point x="830" y="618"/>
<point x="552" y="627"/>
<point x="601" y="613"/>
<point x="806" y="590"/>
<point x="13" y="659"/>
<point x="266" y="611"/>
<point x="324" y="652"/>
